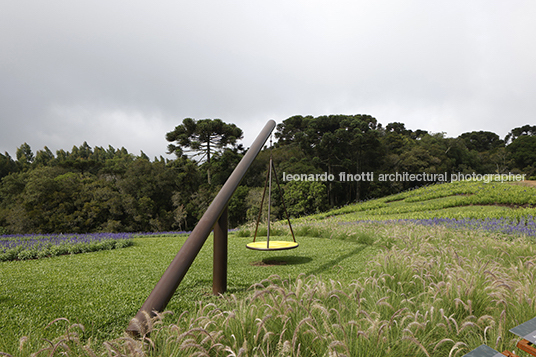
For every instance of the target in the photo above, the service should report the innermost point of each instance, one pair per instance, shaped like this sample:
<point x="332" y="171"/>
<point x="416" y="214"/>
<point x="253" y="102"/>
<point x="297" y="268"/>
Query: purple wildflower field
<point x="34" y="246"/>
<point x="525" y="226"/>
<point x="36" y="241"/>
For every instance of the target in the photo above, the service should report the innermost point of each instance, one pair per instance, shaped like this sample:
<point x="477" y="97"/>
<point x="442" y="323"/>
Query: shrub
<point x="364" y="238"/>
<point x="27" y="254"/>
<point x="243" y="233"/>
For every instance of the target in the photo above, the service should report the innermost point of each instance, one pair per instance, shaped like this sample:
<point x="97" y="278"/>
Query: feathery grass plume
<point x="22" y="340"/>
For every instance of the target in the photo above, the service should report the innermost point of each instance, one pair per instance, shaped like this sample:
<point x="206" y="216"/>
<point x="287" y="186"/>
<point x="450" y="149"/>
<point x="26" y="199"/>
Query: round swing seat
<point x="274" y="245"/>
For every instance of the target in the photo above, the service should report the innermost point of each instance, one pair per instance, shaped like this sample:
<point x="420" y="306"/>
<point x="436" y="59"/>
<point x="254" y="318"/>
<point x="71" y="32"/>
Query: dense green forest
<point x="107" y="189"/>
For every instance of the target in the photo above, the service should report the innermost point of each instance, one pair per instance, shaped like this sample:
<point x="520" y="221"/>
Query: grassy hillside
<point x="354" y="286"/>
<point x="457" y="200"/>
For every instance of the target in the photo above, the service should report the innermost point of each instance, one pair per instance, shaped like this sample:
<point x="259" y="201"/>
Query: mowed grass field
<point x="353" y="287"/>
<point x="104" y="290"/>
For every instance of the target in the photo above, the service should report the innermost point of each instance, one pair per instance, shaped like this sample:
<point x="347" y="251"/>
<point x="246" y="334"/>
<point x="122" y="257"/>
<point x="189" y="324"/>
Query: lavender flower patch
<point x="525" y="226"/>
<point x="160" y="234"/>
<point x="33" y="246"/>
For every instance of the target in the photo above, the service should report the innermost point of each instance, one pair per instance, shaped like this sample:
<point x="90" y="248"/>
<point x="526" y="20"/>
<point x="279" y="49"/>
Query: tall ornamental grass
<point x="430" y="291"/>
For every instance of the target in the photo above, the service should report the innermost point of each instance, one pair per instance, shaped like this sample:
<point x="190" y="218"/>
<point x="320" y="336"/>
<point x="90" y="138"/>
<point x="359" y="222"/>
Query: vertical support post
<point x="219" y="266"/>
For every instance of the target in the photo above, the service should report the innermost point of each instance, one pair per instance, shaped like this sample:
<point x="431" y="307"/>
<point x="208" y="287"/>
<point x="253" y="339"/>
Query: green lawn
<point x="104" y="290"/>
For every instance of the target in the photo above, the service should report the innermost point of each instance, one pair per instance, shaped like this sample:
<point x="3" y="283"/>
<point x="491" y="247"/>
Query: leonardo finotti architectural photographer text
<point x="405" y="177"/>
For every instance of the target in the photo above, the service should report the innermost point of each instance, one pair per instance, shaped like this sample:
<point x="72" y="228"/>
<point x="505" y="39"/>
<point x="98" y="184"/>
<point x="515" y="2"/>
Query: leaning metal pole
<point x="172" y="277"/>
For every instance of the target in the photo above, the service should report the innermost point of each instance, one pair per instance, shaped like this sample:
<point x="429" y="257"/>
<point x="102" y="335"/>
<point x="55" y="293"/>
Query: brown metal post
<point x="527" y="346"/>
<point x="219" y="265"/>
<point x="172" y="277"/>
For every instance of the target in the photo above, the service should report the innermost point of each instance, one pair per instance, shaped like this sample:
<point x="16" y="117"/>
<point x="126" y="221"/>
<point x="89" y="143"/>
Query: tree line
<point x="93" y="189"/>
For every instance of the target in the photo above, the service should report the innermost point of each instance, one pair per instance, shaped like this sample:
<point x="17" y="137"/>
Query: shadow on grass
<point x="329" y="265"/>
<point x="282" y="260"/>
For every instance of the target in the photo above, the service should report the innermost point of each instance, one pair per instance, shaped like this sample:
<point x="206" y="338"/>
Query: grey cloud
<point x="116" y="72"/>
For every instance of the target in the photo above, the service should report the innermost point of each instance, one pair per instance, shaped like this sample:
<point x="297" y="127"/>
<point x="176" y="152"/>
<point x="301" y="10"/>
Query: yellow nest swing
<point x="269" y="245"/>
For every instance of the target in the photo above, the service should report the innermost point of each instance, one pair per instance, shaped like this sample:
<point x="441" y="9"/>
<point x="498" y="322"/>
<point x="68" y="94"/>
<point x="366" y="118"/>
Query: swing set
<point x="278" y="244"/>
<point x="214" y="219"/>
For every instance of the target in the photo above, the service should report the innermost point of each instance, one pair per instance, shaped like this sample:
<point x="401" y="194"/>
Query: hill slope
<point x="469" y="199"/>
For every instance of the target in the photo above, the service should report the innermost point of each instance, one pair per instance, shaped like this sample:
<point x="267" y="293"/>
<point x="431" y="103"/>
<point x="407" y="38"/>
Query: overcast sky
<point x="123" y="73"/>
